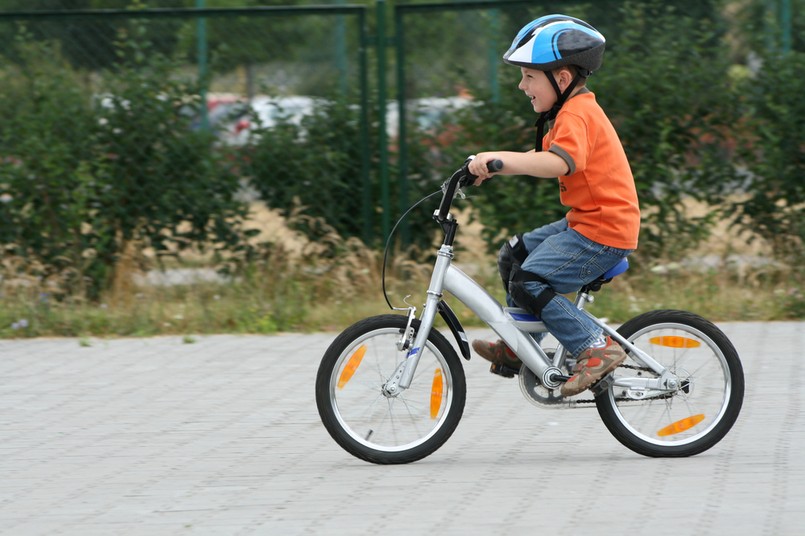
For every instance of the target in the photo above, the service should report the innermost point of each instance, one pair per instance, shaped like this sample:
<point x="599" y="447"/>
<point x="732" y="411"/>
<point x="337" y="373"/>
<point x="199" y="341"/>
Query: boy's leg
<point x="563" y="263"/>
<point x="511" y="255"/>
<point x="516" y="250"/>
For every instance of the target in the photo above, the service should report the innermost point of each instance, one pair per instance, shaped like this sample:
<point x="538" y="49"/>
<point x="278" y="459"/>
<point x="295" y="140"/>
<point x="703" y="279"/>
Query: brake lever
<point x="460" y="179"/>
<point x="469" y="178"/>
<point x="459" y="192"/>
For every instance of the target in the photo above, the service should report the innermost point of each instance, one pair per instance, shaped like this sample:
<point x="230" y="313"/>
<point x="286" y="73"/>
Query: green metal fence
<point x="292" y="57"/>
<point x="276" y="52"/>
<point x="469" y="55"/>
<point x="409" y="54"/>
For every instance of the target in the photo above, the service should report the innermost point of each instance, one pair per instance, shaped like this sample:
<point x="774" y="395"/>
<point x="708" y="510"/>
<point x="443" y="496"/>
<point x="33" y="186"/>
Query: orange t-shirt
<point x="599" y="188"/>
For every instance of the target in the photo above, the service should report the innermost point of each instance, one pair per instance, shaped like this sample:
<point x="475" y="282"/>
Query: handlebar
<point x="461" y="178"/>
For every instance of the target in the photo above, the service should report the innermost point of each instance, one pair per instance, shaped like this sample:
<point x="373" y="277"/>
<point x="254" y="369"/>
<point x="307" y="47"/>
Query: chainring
<point x="535" y="392"/>
<point x="539" y="395"/>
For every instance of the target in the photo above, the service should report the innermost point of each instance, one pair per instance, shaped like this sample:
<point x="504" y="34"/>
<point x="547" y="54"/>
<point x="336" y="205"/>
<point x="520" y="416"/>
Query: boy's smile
<point x="536" y="86"/>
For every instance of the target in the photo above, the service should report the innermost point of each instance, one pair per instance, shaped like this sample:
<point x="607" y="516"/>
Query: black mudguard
<point x="455" y="326"/>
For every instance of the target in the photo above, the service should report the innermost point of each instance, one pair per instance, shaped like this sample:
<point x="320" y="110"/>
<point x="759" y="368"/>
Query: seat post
<point x="583" y="297"/>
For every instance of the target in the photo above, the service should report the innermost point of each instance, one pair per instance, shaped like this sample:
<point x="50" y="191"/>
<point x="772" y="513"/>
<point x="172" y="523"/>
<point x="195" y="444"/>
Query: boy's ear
<point x="564" y="78"/>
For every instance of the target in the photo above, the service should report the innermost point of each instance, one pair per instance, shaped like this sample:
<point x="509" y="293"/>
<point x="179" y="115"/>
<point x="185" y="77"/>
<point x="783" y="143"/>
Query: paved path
<point x="221" y="436"/>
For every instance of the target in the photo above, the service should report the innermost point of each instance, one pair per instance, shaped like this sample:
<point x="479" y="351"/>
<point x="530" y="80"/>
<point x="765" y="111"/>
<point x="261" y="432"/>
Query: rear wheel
<point x="381" y="428"/>
<point x="704" y="406"/>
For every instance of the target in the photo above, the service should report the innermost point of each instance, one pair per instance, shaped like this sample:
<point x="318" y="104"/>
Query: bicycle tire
<point x="697" y="415"/>
<point x="379" y="428"/>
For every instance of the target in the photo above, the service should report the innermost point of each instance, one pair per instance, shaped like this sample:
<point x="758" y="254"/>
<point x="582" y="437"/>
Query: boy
<point x="556" y="54"/>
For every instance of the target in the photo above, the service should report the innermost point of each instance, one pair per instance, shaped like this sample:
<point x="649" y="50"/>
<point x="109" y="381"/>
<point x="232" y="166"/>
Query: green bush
<point x="46" y="139"/>
<point x="317" y="165"/>
<point x="771" y="201"/>
<point x="95" y="165"/>
<point x="667" y="89"/>
<point x="87" y="179"/>
<point x="166" y="185"/>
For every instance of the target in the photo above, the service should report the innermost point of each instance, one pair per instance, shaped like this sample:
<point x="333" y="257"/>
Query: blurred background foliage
<point x="111" y="140"/>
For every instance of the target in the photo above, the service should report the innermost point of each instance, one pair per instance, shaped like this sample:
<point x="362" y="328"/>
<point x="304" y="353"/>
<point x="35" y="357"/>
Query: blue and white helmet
<point x="554" y="41"/>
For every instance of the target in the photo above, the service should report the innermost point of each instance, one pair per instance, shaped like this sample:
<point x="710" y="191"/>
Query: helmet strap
<point x="550" y="115"/>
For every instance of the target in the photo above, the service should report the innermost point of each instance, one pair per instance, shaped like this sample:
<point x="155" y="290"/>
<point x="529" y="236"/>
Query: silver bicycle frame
<point x="448" y="277"/>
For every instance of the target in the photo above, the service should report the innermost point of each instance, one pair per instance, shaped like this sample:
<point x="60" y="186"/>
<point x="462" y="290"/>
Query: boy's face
<point x="537" y="87"/>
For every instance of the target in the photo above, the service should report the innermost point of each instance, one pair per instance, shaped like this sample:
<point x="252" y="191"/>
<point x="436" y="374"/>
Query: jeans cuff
<point x="587" y="344"/>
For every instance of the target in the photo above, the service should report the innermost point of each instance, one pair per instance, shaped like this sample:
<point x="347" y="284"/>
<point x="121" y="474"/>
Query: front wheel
<point x="706" y="403"/>
<point x="378" y="427"/>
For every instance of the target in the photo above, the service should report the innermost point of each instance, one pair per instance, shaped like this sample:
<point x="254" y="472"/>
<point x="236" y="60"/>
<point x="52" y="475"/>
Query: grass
<point x="327" y="297"/>
<point x="307" y="286"/>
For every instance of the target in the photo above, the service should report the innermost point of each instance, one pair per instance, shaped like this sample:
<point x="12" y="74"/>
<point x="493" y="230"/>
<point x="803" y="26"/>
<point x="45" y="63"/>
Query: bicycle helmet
<point x="555" y="41"/>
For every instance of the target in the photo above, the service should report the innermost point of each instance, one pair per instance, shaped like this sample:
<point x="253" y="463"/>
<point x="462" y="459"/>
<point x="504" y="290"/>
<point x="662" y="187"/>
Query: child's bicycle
<point x="390" y="389"/>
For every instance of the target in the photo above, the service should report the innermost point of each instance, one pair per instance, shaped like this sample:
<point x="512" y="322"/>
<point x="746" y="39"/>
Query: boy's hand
<point x="478" y="167"/>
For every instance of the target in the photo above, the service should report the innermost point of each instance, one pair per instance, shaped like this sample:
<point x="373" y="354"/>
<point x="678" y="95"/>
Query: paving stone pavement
<point x="221" y="437"/>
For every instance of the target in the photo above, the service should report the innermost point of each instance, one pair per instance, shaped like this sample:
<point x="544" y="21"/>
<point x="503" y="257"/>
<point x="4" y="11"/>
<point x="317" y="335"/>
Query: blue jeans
<point x="568" y="261"/>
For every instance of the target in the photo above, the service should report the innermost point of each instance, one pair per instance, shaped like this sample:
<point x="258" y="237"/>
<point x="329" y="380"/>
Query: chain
<point x="619" y="398"/>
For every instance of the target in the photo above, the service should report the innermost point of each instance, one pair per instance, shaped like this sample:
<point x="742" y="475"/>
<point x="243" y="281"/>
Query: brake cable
<point x="388" y="244"/>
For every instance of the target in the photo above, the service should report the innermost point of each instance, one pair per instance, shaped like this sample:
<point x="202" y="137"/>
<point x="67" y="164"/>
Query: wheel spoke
<point x="701" y="410"/>
<point x="381" y="428"/>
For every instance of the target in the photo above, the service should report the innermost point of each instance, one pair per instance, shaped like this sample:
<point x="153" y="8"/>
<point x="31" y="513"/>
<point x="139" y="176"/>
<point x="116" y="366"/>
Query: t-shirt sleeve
<point x="570" y="142"/>
<point x="571" y="164"/>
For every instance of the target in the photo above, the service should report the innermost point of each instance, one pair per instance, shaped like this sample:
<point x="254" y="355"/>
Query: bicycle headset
<point x="551" y="42"/>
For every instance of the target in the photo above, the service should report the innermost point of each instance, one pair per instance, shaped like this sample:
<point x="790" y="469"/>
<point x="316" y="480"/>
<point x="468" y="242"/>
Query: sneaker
<point x="592" y="365"/>
<point x="497" y="353"/>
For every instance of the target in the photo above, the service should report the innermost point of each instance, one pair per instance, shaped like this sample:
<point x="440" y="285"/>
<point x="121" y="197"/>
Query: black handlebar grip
<point x="469" y="178"/>
<point x="494" y="165"/>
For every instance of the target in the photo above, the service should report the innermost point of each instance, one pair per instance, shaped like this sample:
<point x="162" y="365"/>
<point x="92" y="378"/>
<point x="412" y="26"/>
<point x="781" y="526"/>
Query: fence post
<point x="381" y="98"/>
<point x="494" y="54"/>
<point x="341" y="49"/>
<point x="785" y="21"/>
<point x="201" y="50"/>
<point x="402" y="135"/>
<point x="364" y="131"/>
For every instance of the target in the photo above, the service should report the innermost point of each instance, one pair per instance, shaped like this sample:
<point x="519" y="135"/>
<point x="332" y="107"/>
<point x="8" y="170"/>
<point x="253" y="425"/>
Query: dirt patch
<point x="273" y="227"/>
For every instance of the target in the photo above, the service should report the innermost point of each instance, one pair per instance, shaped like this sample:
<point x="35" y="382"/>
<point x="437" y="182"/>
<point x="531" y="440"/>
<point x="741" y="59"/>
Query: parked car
<point x="223" y="108"/>
<point x="236" y="119"/>
<point x="267" y="112"/>
<point x="427" y="114"/>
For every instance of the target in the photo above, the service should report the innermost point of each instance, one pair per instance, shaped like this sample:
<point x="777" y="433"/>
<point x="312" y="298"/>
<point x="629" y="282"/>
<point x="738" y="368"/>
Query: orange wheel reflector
<point x="673" y="341"/>
<point x="680" y="426"/>
<point x="436" y="393"/>
<point x="352" y="366"/>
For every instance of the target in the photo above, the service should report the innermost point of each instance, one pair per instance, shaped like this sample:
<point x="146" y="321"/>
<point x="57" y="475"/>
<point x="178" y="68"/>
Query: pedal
<point x="602" y="386"/>
<point x="503" y="370"/>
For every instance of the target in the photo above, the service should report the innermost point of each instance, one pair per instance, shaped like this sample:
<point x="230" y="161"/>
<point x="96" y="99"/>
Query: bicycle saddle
<point x="607" y="276"/>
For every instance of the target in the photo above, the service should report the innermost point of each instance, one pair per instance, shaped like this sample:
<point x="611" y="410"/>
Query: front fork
<point x="401" y="379"/>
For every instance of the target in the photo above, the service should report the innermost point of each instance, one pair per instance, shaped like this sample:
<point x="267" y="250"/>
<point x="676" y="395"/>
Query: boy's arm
<point x="543" y="164"/>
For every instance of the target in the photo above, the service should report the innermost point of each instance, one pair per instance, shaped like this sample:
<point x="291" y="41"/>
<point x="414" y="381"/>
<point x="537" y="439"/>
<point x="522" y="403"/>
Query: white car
<point x="269" y="111"/>
<point x="426" y="113"/>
